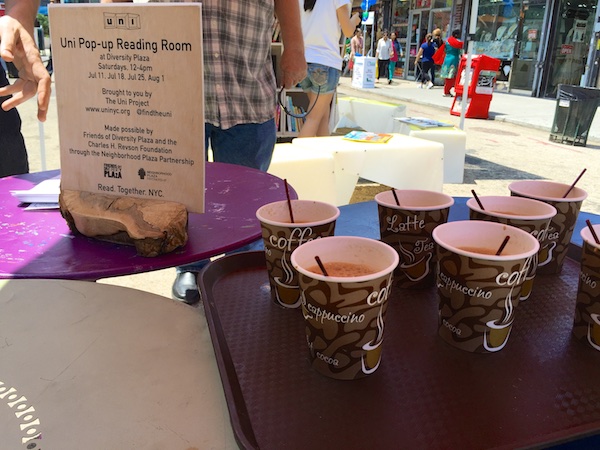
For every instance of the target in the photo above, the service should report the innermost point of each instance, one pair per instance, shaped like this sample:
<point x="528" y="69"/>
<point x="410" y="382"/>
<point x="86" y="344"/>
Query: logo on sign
<point x="112" y="171"/>
<point x="122" y="21"/>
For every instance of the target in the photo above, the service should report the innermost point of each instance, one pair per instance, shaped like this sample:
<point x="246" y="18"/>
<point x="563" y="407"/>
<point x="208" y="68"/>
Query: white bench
<point x="455" y="147"/>
<point x="371" y="115"/>
<point x="327" y="168"/>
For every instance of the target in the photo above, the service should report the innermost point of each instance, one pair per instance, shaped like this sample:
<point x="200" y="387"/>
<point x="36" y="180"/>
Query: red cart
<point x="481" y="86"/>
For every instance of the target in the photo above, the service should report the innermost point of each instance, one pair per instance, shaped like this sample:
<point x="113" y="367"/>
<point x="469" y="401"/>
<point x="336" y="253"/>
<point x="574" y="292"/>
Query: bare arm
<point x="348" y="23"/>
<point x="353" y="46"/>
<point x="293" y="63"/>
<point x="18" y="46"/>
<point x="419" y="55"/>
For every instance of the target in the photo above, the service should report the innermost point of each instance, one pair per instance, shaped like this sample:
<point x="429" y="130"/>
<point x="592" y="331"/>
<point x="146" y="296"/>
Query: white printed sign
<point x="129" y="91"/>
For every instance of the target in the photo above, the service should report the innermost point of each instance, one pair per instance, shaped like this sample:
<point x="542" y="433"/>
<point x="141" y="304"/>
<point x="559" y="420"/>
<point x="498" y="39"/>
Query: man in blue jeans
<point x="240" y="90"/>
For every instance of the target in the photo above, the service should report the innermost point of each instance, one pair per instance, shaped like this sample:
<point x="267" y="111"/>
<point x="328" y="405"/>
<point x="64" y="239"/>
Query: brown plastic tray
<point x="542" y="388"/>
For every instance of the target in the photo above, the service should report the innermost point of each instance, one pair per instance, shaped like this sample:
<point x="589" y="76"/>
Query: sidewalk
<point x="517" y="109"/>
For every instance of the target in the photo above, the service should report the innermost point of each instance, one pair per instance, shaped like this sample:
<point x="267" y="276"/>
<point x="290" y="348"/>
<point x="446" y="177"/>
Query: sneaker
<point x="448" y="95"/>
<point x="429" y="85"/>
<point x="420" y="86"/>
<point x="389" y="81"/>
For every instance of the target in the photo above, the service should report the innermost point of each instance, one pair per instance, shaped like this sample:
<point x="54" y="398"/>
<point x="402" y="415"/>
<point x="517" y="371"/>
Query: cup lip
<point x="586" y="235"/>
<point x="372" y="276"/>
<point x="440" y="228"/>
<point x="472" y="204"/>
<point x="449" y="201"/>
<point x="577" y="194"/>
<point x="303" y="224"/>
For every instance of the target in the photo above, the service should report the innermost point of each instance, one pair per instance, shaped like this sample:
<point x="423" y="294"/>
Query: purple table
<point x="39" y="244"/>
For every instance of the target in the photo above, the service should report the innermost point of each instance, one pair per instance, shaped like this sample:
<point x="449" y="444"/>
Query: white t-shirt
<point x="384" y="49"/>
<point x="322" y="30"/>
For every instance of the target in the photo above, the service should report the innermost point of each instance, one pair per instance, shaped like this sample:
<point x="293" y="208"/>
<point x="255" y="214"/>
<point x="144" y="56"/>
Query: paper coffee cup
<point x="554" y="250"/>
<point x="532" y="216"/>
<point x="408" y="227"/>
<point x="586" y="326"/>
<point x="312" y="220"/>
<point x="479" y="291"/>
<point x="345" y="315"/>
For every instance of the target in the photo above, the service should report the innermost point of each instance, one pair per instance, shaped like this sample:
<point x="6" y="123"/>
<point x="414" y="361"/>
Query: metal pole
<point x="472" y="29"/>
<point x="465" y="96"/>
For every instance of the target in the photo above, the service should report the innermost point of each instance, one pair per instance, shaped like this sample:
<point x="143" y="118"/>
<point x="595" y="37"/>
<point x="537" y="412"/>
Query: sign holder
<point x="129" y="90"/>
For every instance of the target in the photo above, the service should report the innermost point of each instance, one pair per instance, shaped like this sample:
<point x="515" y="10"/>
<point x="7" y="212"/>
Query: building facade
<point x="540" y="43"/>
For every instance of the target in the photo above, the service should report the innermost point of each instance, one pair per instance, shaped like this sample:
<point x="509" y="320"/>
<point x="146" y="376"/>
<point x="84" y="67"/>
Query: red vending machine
<point x="481" y="86"/>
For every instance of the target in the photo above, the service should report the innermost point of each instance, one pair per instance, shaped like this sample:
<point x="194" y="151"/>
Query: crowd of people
<point x="434" y="53"/>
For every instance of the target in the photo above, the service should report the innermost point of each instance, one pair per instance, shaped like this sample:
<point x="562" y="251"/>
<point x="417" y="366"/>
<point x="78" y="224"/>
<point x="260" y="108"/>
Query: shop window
<point x="442" y="4"/>
<point x="497" y="29"/>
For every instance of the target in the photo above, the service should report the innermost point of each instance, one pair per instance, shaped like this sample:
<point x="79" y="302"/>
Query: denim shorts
<point x="327" y="78"/>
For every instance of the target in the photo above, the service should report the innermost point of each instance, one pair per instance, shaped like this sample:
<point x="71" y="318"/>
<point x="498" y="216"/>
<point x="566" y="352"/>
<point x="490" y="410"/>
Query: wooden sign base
<point x="154" y="227"/>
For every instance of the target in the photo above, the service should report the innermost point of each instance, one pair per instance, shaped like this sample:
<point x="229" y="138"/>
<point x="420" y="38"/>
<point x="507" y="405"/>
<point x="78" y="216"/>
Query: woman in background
<point x="425" y="61"/>
<point x="383" y="54"/>
<point x="397" y="54"/>
<point x="321" y="23"/>
<point x="452" y="49"/>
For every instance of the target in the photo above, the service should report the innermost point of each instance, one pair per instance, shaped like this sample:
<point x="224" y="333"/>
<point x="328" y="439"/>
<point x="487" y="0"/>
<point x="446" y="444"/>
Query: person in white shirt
<point x="321" y="23"/>
<point x="383" y="54"/>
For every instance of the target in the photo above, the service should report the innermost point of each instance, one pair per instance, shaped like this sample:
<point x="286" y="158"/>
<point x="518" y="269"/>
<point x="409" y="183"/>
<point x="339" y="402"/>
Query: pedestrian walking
<point x="425" y="60"/>
<point x="383" y="54"/>
<point x="449" y="55"/>
<point x="396" y="55"/>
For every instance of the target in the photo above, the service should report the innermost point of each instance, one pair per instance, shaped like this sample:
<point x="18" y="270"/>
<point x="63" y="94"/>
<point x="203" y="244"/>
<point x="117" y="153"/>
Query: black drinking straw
<point x="594" y="235"/>
<point x="289" y="202"/>
<point x="395" y="196"/>
<point x="477" y="199"/>
<point x="574" y="183"/>
<point x="504" y="242"/>
<point x="321" y="266"/>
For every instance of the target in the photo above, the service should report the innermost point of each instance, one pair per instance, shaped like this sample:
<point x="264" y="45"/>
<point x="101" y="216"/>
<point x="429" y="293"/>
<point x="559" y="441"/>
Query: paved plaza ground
<point x="513" y="145"/>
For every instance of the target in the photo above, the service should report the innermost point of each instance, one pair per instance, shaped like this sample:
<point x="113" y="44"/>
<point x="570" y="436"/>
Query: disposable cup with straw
<point x="406" y="219"/>
<point x="586" y="324"/>
<point x="481" y="268"/>
<point x="346" y="283"/>
<point x="285" y="225"/>
<point x="567" y="199"/>
<point x="532" y="216"/>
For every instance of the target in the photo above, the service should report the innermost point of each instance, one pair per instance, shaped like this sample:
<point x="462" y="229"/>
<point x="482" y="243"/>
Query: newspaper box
<point x="363" y="72"/>
<point x="481" y="86"/>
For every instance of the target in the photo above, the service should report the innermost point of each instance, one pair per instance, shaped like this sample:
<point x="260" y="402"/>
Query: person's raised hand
<point x="18" y="46"/>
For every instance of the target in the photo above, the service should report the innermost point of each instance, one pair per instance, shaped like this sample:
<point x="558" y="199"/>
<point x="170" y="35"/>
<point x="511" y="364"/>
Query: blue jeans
<point x="250" y="145"/>
<point x="320" y="79"/>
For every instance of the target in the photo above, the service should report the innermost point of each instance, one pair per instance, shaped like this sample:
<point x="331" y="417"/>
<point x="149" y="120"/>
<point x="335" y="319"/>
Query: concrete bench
<point x="371" y="115"/>
<point x="328" y="168"/>
<point x="455" y="147"/>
